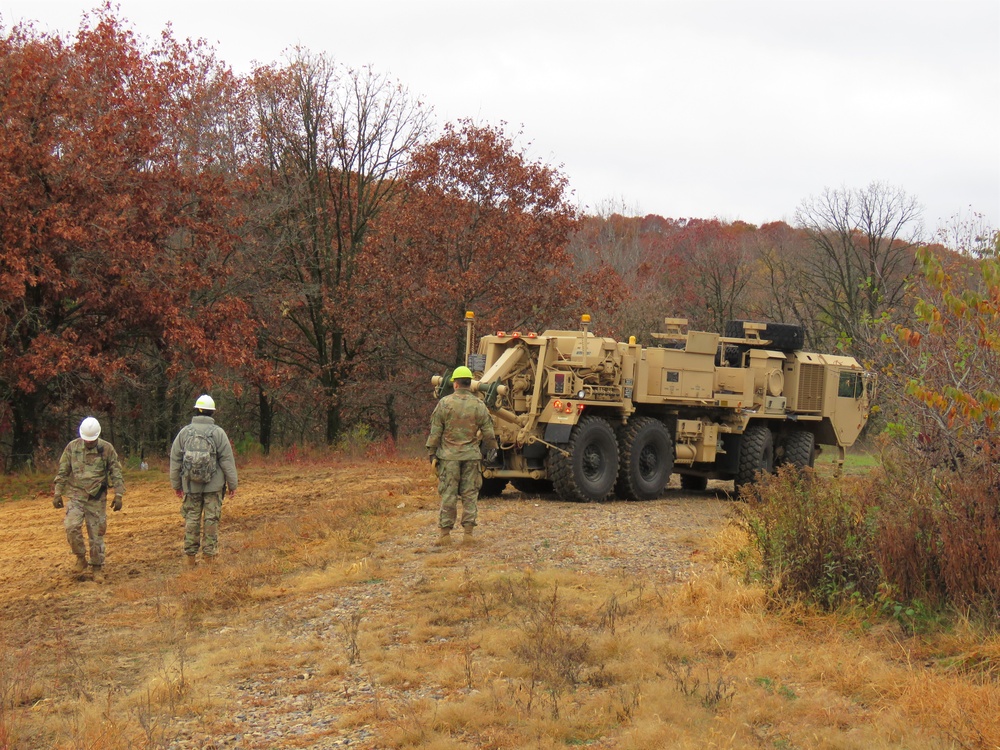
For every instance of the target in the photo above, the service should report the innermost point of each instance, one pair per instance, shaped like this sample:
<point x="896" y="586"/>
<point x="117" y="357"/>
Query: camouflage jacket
<point x="224" y="477"/>
<point x="84" y="472"/>
<point x="456" y="423"/>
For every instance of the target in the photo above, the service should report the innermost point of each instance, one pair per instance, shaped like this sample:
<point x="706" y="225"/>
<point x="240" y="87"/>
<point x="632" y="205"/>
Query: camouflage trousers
<point x="458" y="480"/>
<point x="202" y="512"/>
<point x="93" y="511"/>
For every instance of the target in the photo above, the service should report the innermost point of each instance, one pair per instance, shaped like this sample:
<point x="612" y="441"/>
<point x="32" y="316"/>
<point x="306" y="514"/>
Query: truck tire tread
<point x="592" y="437"/>
<point x="756" y="455"/>
<point x="635" y="439"/>
<point x="784" y="337"/>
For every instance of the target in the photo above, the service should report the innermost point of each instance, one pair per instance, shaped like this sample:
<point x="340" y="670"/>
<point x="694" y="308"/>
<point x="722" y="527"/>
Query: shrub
<point x="938" y="541"/>
<point x="906" y="537"/>
<point x="811" y="536"/>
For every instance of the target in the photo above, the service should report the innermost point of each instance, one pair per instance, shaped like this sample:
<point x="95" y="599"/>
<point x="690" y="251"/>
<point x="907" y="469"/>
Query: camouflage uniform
<point x="82" y="482"/>
<point x="456" y="423"/>
<point x="203" y="499"/>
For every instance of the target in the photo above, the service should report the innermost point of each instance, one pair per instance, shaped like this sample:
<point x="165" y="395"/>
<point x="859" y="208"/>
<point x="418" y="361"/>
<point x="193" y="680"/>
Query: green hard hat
<point x="461" y="372"/>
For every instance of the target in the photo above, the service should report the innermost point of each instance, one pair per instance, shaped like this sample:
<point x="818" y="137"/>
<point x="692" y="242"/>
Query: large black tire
<point x="783" y="336"/>
<point x="532" y="486"/>
<point x="731" y="356"/>
<point x="645" y="459"/>
<point x="756" y="455"/>
<point x="588" y="474"/>
<point x="800" y="449"/>
<point x="492" y="487"/>
<point x="694" y="483"/>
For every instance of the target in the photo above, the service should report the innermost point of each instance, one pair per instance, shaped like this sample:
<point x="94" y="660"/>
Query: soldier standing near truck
<point x="454" y="450"/>
<point x="87" y="467"/>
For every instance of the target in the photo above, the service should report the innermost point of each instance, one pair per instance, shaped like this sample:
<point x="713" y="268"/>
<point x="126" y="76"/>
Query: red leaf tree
<point x="115" y="232"/>
<point x="480" y="227"/>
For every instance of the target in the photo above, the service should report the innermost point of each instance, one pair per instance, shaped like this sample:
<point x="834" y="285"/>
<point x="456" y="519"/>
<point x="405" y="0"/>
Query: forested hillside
<point x="303" y="241"/>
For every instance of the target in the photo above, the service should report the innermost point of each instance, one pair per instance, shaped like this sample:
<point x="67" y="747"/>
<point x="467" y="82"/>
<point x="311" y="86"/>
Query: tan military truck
<point x="591" y="417"/>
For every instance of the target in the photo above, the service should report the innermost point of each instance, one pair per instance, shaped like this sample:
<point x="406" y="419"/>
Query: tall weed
<point x="811" y="536"/>
<point x="938" y="536"/>
<point x="908" y="537"/>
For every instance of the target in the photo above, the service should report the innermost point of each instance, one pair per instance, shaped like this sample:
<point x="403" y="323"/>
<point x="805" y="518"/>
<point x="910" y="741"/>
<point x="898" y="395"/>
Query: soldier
<point x="453" y="447"/>
<point x="201" y="466"/>
<point x="87" y="466"/>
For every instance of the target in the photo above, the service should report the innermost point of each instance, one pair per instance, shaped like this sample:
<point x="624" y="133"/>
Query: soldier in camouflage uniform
<point x="87" y="467"/>
<point x="202" y="499"/>
<point x="453" y="446"/>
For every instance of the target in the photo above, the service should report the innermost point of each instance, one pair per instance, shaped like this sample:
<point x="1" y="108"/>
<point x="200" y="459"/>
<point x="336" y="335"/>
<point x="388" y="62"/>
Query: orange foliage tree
<point x="481" y="228"/>
<point x="948" y="358"/>
<point x="641" y="274"/>
<point x="115" y="230"/>
<point x="330" y="143"/>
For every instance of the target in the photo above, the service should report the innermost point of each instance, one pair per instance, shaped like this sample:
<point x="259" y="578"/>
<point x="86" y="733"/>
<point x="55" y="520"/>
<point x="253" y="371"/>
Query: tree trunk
<point x="390" y="410"/>
<point x="22" y="453"/>
<point x="331" y="387"/>
<point x="332" y="420"/>
<point x="266" y="421"/>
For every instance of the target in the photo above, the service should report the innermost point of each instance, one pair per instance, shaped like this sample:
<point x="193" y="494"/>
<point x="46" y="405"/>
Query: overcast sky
<point x="735" y="109"/>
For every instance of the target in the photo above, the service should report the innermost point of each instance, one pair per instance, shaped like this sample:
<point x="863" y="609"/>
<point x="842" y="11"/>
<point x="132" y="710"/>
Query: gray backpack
<point x="200" y="461"/>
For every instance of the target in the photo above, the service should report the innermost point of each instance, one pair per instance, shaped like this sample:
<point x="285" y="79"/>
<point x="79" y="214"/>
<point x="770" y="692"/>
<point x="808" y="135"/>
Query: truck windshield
<point x="851" y="385"/>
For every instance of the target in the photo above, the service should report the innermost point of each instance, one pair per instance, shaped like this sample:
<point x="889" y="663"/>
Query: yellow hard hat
<point x="461" y="372"/>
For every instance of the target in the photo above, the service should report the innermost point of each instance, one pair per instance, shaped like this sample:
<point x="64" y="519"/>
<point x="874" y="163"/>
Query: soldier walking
<point x="202" y="465"/>
<point x="87" y="467"/>
<point x="457" y="423"/>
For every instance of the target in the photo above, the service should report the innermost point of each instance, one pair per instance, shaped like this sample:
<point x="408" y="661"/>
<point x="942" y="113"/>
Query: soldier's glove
<point x="57" y="502"/>
<point x="116" y="504"/>
<point x="434" y="463"/>
<point x="491" y="456"/>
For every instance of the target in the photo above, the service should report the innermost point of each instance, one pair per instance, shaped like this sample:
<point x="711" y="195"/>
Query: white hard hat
<point x="90" y="429"/>
<point x="205" y="402"/>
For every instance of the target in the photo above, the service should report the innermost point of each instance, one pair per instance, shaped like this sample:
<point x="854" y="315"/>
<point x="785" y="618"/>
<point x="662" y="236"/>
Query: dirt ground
<point x="80" y="635"/>
<point x="145" y="539"/>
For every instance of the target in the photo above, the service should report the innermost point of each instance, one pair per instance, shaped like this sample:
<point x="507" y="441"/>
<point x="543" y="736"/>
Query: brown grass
<point x="317" y="609"/>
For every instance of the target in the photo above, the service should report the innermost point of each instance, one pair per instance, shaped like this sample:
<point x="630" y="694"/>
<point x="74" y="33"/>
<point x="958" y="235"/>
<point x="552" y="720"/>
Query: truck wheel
<point x="645" y="459"/>
<point x="492" y="487"/>
<point x="783" y="336"/>
<point x="588" y="474"/>
<point x="756" y="455"/>
<point x="800" y="449"/>
<point x="694" y="483"/>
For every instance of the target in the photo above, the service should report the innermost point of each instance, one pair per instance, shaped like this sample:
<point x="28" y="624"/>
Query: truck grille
<point x="810" y="387"/>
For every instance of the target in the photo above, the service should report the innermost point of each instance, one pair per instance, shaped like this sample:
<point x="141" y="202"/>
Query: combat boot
<point x="98" y="573"/>
<point x="467" y="535"/>
<point x="444" y="539"/>
<point x="191" y="561"/>
<point x="208" y="559"/>
<point x="80" y="567"/>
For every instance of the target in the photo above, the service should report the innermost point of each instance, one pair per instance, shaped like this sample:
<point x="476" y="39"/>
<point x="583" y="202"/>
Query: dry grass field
<point x="331" y="621"/>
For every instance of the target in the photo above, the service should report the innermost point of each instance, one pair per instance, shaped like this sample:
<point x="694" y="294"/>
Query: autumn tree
<point x="780" y="290"/>
<point x="864" y="242"/>
<point x="331" y="143"/>
<point x="720" y="266"/>
<point x="480" y="227"/>
<point x="633" y="257"/>
<point x="945" y="362"/>
<point x="114" y="240"/>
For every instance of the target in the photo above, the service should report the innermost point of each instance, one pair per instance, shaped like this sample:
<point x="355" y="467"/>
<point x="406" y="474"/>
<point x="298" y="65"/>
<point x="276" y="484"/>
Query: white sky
<point x="736" y="109"/>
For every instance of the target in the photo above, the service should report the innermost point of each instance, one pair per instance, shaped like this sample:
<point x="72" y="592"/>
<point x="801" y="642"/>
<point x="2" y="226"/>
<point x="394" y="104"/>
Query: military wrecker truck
<point x="591" y="417"/>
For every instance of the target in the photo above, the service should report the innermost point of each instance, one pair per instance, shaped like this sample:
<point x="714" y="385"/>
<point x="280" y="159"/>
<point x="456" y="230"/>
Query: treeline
<point x="302" y="242"/>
